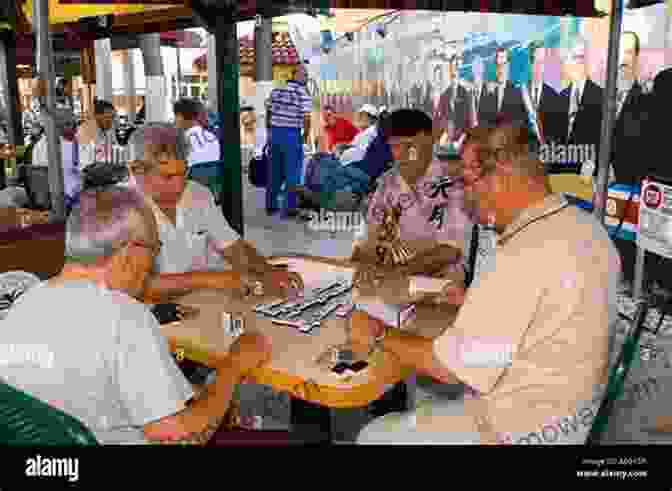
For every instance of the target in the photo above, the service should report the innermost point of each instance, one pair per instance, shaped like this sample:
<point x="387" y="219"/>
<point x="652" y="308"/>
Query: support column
<point x="129" y="82"/>
<point x="228" y="80"/>
<point x="45" y="67"/>
<point x="263" y="52"/>
<point x="10" y="84"/>
<point x="88" y="63"/>
<point x="156" y="95"/>
<point x="212" y="72"/>
<point x="103" y="49"/>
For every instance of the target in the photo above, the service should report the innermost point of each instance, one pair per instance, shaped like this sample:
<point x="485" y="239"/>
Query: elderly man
<point x="531" y="341"/>
<point x="197" y="240"/>
<point x="65" y="128"/>
<point x="432" y="219"/>
<point x="97" y="353"/>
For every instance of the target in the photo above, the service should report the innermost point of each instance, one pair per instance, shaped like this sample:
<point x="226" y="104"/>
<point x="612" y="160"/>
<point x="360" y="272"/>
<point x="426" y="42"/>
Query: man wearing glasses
<point x="532" y="338"/>
<point x="108" y="365"/>
<point x="197" y="240"/>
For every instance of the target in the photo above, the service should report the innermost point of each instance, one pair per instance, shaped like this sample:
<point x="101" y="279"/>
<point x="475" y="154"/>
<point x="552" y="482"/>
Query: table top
<point x="293" y="367"/>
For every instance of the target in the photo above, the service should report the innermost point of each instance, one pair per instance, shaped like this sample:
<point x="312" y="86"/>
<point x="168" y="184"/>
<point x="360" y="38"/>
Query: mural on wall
<point x="465" y="69"/>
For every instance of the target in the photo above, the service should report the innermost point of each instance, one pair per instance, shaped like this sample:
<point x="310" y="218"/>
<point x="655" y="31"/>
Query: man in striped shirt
<point x="290" y="107"/>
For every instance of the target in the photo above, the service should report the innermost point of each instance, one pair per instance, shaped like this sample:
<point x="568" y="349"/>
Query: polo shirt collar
<point x="550" y="205"/>
<point x="185" y="202"/>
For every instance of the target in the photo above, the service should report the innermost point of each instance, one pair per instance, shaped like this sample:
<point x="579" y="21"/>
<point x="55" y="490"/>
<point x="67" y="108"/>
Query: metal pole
<point x="45" y="67"/>
<point x="263" y="48"/>
<point x="179" y="72"/>
<point x="608" y="109"/>
<point x="228" y="108"/>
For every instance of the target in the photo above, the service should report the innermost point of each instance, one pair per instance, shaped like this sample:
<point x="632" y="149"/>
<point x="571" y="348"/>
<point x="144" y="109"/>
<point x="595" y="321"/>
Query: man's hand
<point x="279" y="282"/>
<point x="250" y="351"/>
<point x="364" y="329"/>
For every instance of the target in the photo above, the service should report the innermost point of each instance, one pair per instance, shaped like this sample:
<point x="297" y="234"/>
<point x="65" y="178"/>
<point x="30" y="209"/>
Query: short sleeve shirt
<point x="204" y="145"/>
<point x="343" y="131"/>
<point x="108" y="365"/>
<point x="549" y="305"/>
<point x="435" y="213"/>
<point x="200" y="231"/>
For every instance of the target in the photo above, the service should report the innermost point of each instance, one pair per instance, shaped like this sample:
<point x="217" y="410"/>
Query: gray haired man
<point x="107" y="362"/>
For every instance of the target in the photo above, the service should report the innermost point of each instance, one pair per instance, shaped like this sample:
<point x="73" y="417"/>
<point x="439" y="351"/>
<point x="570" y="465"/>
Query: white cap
<point x="369" y="109"/>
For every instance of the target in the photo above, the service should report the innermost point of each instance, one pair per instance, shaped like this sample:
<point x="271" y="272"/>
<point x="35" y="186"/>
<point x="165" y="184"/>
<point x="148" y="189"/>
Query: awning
<point x="65" y="13"/>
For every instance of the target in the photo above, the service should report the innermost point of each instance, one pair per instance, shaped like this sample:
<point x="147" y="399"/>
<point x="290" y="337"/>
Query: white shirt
<point x="124" y="378"/>
<point x="71" y="174"/>
<point x="200" y="230"/>
<point x="359" y="144"/>
<point x="204" y="145"/>
<point x="101" y="150"/>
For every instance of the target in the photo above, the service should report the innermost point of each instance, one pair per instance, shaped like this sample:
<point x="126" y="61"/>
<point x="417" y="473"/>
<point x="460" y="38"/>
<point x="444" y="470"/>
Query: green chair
<point x="618" y="375"/>
<point x="26" y="421"/>
<point x="211" y="175"/>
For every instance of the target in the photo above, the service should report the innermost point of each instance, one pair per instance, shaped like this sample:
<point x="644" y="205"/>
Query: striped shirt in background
<point x="289" y="104"/>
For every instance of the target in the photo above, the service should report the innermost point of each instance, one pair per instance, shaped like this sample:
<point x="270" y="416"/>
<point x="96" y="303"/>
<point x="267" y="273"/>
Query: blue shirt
<point x="289" y="104"/>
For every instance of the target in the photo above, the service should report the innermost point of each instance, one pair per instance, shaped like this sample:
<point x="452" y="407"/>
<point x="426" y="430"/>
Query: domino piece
<point x="226" y="323"/>
<point x="295" y="324"/>
<point x="306" y="329"/>
<point x="238" y="327"/>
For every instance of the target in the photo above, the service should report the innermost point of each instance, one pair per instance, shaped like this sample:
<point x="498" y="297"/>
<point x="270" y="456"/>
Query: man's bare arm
<point x="201" y="419"/>
<point x="417" y="352"/>
<point x="177" y="284"/>
<point x="245" y="259"/>
<point x="434" y="260"/>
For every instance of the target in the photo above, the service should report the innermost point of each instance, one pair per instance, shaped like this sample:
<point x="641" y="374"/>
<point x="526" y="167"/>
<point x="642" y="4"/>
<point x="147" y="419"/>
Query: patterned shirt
<point x="434" y="213"/>
<point x="289" y="104"/>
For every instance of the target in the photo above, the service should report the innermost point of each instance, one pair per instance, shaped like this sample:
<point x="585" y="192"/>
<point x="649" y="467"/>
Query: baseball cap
<point x="369" y="109"/>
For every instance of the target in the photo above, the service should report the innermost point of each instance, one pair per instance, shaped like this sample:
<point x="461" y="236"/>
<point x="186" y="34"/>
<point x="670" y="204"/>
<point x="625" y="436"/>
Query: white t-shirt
<point x="71" y="174"/>
<point x="204" y="145"/>
<point x="96" y="354"/>
<point x="199" y="232"/>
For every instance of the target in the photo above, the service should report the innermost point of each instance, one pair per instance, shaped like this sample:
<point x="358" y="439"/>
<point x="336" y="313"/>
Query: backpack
<point x="259" y="167"/>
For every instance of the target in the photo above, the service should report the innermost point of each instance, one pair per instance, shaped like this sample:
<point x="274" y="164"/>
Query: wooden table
<point x="292" y="368"/>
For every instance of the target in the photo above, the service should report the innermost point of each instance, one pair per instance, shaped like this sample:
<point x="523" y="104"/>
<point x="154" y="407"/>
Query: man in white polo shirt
<point x="532" y="339"/>
<point x="197" y="240"/>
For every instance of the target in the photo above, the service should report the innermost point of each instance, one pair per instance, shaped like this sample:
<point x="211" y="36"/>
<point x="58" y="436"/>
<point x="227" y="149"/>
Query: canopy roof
<point x="284" y="52"/>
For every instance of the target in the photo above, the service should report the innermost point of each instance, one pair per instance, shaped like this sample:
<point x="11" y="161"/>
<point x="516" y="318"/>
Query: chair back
<point x="211" y="175"/>
<point x="26" y="421"/>
<point x="618" y="375"/>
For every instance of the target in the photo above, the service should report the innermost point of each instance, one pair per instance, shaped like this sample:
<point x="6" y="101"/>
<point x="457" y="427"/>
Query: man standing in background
<point x="505" y="100"/>
<point x="97" y="136"/>
<point x="290" y="107"/>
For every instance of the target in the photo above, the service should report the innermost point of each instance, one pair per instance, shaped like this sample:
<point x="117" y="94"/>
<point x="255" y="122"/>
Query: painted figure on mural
<point x="544" y="98"/>
<point x="632" y="112"/>
<point x="502" y="98"/>
<point x="478" y="87"/>
<point x="581" y="104"/>
<point x="453" y="111"/>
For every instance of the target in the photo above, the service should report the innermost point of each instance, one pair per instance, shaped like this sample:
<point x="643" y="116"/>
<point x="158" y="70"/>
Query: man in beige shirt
<point x="532" y="339"/>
